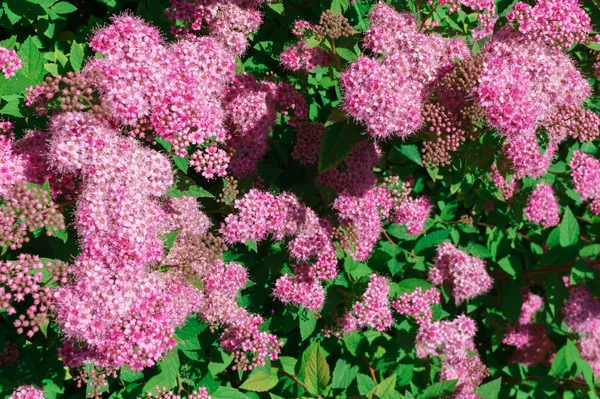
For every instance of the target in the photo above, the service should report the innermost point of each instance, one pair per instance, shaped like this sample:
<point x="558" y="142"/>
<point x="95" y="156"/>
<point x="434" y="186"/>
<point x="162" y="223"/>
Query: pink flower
<point x="27" y="392"/>
<point x="466" y="274"/>
<point x="297" y="57"/>
<point x="586" y="177"/>
<point x="542" y="206"/>
<point x="10" y="62"/>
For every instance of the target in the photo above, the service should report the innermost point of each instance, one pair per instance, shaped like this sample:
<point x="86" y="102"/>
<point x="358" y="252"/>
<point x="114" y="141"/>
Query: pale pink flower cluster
<point x="508" y="187"/>
<point x="454" y="340"/>
<point x="530" y="338"/>
<point x="413" y="212"/>
<point x="10" y="62"/>
<point x="361" y="216"/>
<point x="522" y="86"/>
<point x="228" y="21"/>
<point x="542" y="206"/>
<point x="21" y="280"/>
<point x="373" y="311"/>
<point x="165" y="393"/>
<point x="261" y="214"/>
<point x="210" y="162"/>
<point x="388" y="95"/>
<point x="27" y="392"/>
<point x="486" y="20"/>
<point x="466" y="274"/>
<point x="586" y="178"/>
<point x="12" y="166"/>
<point x="552" y="22"/>
<point x="175" y="88"/>
<point x="418" y="304"/>
<point x="582" y="315"/>
<point x="298" y="57"/>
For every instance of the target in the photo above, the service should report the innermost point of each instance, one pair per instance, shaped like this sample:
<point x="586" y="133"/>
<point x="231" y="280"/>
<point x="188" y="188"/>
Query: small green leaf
<point x="365" y="384"/>
<point x="252" y="245"/>
<point x="181" y="162"/>
<point x="259" y="381"/>
<point x="411" y="152"/>
<point x="169" y="368"/>
<point x="432" y="239"/>
<point x="76" y="55"/>
<point x="316" y="370"/>
<point x="490" y="390"/>
<point x="569" y="229"/>
<point x="228" y="393"/>
<point x="346" y="54"/>
<point x="338" y="143"/>
<point x="343" y="374"/>
<point x="439" y="389"/>
<point x="187" y="335"/>
<point x="308" y="322"/>
<point x="169" y="239"/>
<point x="62" y="7"/>
<point x="312" y="42"/>
<point x="385" y="389"/>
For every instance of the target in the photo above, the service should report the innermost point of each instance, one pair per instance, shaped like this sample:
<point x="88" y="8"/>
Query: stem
<point x="389" y="238"/>
<point x="292" y="377"/>
<point x="371" y="369"/>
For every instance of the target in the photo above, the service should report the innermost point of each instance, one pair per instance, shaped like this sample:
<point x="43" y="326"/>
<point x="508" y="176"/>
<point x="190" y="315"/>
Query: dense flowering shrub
<point x="257" y="199"/>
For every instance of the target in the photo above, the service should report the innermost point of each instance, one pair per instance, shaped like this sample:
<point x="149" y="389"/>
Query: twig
<point x="371" y="369"/>
<point x="292" y="377"/>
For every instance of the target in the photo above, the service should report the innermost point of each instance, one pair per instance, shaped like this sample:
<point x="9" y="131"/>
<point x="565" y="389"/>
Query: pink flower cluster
<point x="452" y="339"/>
<point x="176" y="88"/>
<point x="582" y="315"/>
<point x="552" y="22"/>
<point x="586" y="178"/>
<point x="530" y="338"/>
<point x="164" y="393"/>
<point x="261" y="214"/>
<point x="298" y="57"/>
<point x="542" y="206"/>
<point x="21" y="280"/>
<point x="10" y="62"/>
<point x="27" y="392"/>
<point x="228" y="21"/>
<point x="211" y="161"/>
<point x="374" y="309"/>
<point x="309" y="136"/>
<point x="466" y="274"/>
<point x="507" y="186"/>
<point x="388" y="96"/>
<point x="522" y="86"/>
<point x="252" y="107"/>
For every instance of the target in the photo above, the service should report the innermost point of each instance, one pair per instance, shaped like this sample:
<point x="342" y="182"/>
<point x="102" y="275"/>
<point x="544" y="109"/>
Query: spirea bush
<point x="255" y="199"/>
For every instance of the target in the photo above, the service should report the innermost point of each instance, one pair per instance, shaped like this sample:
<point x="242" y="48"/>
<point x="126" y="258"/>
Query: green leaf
<point x="181" y="163"/>
<point x="343" y="374"/>
<point x="593" y="45"/>
<point x="432" y="239"/>
<point x="252" y="245"/>
<point x="128" y="375"/>
<point x="308" y="322"/>
<point x="346" y="54"/>
<point x="288" y="364"/>
<point x="490" y="390"/>
<point x="32" y="62"/>
<point x="62" y="7"/>
<point x="76" y="55"/>
<point x="169" y="239"/>
<point x="411" y="152"/>
<point x="313" y="42"/>
<point x="187" y="335"/>
<point x="365" y="384"/>
<point x="385" y="389"/>
<point x="62" y="235"/>
<point x="439" y="389"/>
<point x="259" y="381"/>
<point x="408" y="285"/>
<point x="569" y="229"/>
<point x="316" y="370"/>
<point x="227" y="393"/>
<point x="338" y="143"/>
<point x="169" y="368"/>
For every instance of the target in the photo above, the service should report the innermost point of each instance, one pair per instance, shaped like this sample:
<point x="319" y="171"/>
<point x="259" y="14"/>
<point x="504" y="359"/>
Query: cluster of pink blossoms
<point x="452" y="339"/>
<point x="522" y="86"/>
<point x="582" y="315"/>
<point x="298" y="57"/>
<point x="261" y="214"/>
<point x="388" y="96"/>
<point x="508" y="187"/>
<point x="552" y="22"/>
<point x="466" y="274"/>
<point x="542" y="206"/>
<point x="27" y="392"/>
<point x="586" y="178"/>
<point x="10" y="62"/>
<point x="372" y="311"/>
<point x="530" y="338"/>
<point x="229" y="21"/>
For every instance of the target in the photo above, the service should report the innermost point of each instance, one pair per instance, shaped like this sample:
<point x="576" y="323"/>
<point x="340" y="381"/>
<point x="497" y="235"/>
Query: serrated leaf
<point x="338" y="143"/>
<point x="169" y="368"/>
<point x="432" y="239"/>
<point x="32" y="62"/>
<point x="411" y="151"/>
<point x="187" y="336"/>
<point x="313" y="42"/>
<point x="169" y="239"/>
<point x="62" y="7"/>
<point x="316" y="370"/>
<point x="439" y="389"/>
<point x="385" y="389"/>
<point x="346" y="54"/>
<point x="259" y="381"/>
<point x="364" y="383"/>
<point x="288" y="364"/>
<point x="76" y="55"/>
<point x="490" y="390"/>
<point x="227" y="393"/>
<point x="181" y="163"/>
<point x="343" y="374"/>
<point x="308" y="322"/>
<point x="252" y="245"/>
<point x="569" y="229"/>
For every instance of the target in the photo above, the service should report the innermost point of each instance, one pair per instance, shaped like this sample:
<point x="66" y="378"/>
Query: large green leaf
<point x="316" y="370"/>
<point x="338" y="143"/>
<point x="569" y="229"/>
<point x="260" y="380"/>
